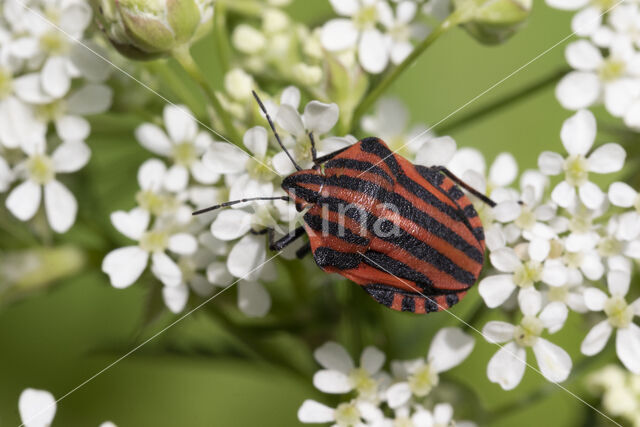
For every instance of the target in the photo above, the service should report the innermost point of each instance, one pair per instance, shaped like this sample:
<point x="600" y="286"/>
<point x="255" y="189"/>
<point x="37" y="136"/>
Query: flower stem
<point x="451" y="21"/>
<point x="503" y="102"/>
<point x="183" y="56"/>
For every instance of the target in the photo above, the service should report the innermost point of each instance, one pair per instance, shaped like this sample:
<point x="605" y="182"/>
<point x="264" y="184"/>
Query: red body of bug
<point x="406" y="233"/>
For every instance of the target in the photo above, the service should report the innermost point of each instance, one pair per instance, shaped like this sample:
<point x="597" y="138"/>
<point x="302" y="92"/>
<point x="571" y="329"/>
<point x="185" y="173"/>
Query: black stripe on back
<point x="408" y="304"/>
<point x="327" y="257"/>
<point x="452" y="299"/>
<point x="358" y="165"/>
<point x="399" y="269"/>
<point x="315" y="222"/>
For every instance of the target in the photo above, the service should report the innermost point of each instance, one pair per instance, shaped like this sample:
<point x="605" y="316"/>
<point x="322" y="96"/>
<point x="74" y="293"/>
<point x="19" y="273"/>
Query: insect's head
<point x="304" y="187"/>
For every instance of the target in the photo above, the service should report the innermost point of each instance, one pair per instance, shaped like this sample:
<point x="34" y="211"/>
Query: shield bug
<point x="407" y="234"/>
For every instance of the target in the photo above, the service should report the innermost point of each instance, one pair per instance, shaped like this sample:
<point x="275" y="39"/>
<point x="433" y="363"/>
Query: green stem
<point x="451" y="21"/>
<point x="222" y="40"/>
<point x="503" y="102"/>
<point x="176" y="85"/>
<point x="183" y="56"/>
<point x="249" y="8"/>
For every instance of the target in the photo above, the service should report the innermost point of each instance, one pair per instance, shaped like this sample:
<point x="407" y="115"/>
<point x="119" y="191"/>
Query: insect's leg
<point x="464" y="185"/>
<point x="326" y="158"/>
<point x="303" y="250"/>
<point x="283" y="242"/>
<point x="314" y="154"/>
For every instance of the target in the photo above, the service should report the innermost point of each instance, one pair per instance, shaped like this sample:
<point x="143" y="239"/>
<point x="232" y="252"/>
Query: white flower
<point x="449" y="348"/>
<point x="589" y="19"/>
<point x="347" y="414"/>
<point x="615" y="78"/>
<point x="578" y="134"/>
<point x="124" y="265"/>
<point x="318" y="118"/>
<point x="390" y="122"/>
<point x="507" y="366"/>
<point x="340" y="375"/>
<point x="620" y="316"/>
<point x="39" y="172"/>
<point x="359" y="28"/>
<point x="182" y="143"/>
<point x="519" y="274"/>
<point x="37" y="408"/>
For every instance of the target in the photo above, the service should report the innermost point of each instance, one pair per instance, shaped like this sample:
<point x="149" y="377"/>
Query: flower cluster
<point x="605" y="59"/>
<point x="376" y="397"/>
<point x="620" y="392"/>
<point x="50" y="77"/>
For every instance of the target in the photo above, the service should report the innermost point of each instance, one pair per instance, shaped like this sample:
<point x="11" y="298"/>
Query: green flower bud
<point x="492" y="21"/>
<point x="148" y="29"/>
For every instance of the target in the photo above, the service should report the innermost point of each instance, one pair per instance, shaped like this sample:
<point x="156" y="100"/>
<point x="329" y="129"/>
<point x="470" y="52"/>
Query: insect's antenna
<point x="314" y="154"/>
<point x="235" y="202"/>
<point x="273" y="128"/>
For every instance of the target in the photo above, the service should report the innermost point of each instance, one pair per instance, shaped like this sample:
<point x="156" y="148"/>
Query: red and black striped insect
<point x="406" y="233"/>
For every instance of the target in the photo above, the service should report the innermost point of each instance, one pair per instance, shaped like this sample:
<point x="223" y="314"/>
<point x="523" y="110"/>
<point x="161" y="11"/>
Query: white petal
<point x="591" y="195"/>
<point x="314" y="412"/>
<point x="24" y="200"/>
<point x="587" y="21"/>
<point x="332" y="355"/>
<point x="75" y="17"/>
<point x="153" y="139"/>
<point x="225" y="158"/>
<point x="622" y="194"/>
<point x="505" y="260"/>
<point x="125" y="265"/>
<point x="530" y="301"/>
<point x="554" y="273"/>
<point x="578" y="90"/>
<point x="554" y="363"/>
<point x="55" y="77"/>
<point x="564" y="194"/>
<point x="567" y="4"/>
<point x="231" y="224"/>
<point x="319" y="117"/>
<point x="85" y="58"/>
<point x="495" y="238"/>
<point x="37" y="408"/>
<point x="583" y="56"/>
<point x="90" y="99"/>
<point x="436" y="152"/>
<point x="635" y="306"/>
<point x="289" y="119"/>
<point x="255" y="139"/>
<point x="504" y="170"/>
<point x="618" y="282"/>
<point x="449" y="347"/>
<point x="180" y="123"/>
<point x="176" y="179"/>
<point x="594" y="299"/>
<point x="506" y="367"/>
<point x="28" y="89"/>
<point x="246" y="257"/>
<point x="151" y="174"/>
<point x="19" y="126"/>
<point x="607" y="158"/>
<point x="183" y="243"/>
<point x="253" y="299"/>
<point x="507" y="211"/>
<point x="628" y="347"/>
<point x="398" y="394"/>
<point x="578" y="132"/>
<point x="372" y="51"/>
<point x="553" y="316"/>
<point x="539" y="249"/>
<point x="203" y="174"/>
<point x="495" y="290"/>
<point x="372" y="359"/>
<point x="175" y="297"/>
<point x="71" y="156"/>
<point x="72" y="128"/>
<point x="334" y="382"/>
<point x="132" y="224"/>
<point x="498" y="332"/>
<point x="218" y="274"/>
<point x="619" y="95"/>
<point x="591" y="266"/>
<point x="338" y="34"/>
<point x="60" y="206"/>
<point x="282" y="164"/>
<point x="165" y="269"/>
<point x="400" y="50"/>
<point x="443" y="413"/>
<point x="596" y="339"/>
<point x="550" y="163"/>
<point x="291" y="96"/>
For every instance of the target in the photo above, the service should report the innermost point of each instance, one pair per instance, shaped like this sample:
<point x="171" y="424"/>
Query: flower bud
<point x="148" y="29"/>
<point x="492" y="21"/>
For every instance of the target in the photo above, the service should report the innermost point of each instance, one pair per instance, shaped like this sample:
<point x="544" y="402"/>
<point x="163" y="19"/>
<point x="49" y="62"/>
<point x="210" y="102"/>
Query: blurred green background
<point x="196" y="373"/>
